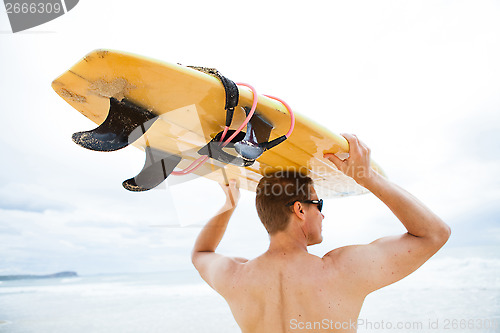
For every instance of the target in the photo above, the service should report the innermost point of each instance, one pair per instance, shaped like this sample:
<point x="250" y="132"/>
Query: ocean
<point x="455" y="292"/>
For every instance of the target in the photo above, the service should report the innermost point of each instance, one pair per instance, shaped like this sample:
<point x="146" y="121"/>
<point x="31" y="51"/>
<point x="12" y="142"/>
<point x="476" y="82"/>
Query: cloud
<point x="32" y="198"/>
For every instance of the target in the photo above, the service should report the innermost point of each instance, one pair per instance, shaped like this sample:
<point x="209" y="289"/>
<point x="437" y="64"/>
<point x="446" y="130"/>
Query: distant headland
<point x="29" y="276"/>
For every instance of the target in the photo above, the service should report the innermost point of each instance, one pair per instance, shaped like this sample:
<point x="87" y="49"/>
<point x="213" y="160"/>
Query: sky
<point x="418" y="82"/>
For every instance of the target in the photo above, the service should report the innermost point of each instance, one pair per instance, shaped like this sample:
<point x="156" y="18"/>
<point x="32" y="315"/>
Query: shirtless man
<point x="286" y="289"/>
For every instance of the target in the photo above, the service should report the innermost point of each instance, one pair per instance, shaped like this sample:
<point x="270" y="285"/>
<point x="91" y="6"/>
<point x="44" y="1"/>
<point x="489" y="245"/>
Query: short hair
<point x="275" y="191"/>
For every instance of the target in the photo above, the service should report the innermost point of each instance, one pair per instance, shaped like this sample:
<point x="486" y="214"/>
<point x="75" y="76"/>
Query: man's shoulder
<point x="344" y="254"/>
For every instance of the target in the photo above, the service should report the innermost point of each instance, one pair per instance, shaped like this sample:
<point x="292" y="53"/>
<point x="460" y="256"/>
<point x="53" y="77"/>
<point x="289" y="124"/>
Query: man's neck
<point x="287" y="241"/>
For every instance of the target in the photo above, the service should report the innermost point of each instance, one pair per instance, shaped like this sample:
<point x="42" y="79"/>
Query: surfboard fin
<point x="115" y="132"/>
<point x="258" y="130"/>
<point x="158" y="166"/>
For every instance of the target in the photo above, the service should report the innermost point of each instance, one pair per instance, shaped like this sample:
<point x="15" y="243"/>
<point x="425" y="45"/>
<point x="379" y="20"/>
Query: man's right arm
<point x="388" y="259"/>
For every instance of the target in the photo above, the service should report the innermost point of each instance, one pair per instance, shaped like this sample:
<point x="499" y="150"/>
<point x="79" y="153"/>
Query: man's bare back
<point x="286" y="289"/>
<point x="278" y="292"/>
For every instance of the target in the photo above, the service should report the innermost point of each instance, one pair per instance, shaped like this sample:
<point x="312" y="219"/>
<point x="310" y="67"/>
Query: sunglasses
<point x="318" y="203"/>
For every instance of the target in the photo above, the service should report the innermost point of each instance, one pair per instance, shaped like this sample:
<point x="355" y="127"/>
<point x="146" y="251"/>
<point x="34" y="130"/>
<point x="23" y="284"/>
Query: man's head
<point x="276" y="194"/>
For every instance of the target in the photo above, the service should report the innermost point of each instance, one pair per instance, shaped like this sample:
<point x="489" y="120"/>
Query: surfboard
<point x="174" y="113"/>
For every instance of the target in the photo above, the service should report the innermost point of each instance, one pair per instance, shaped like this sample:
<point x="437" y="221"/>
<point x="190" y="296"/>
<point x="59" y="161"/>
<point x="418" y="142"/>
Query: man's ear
<point x="298" y="209"/>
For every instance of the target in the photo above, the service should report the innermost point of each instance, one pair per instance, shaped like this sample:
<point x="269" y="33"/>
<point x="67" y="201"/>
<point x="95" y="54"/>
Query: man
<point x="286" y="289"/>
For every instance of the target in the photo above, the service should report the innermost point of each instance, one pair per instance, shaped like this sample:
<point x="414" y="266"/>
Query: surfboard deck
<point x="190" y="109"/>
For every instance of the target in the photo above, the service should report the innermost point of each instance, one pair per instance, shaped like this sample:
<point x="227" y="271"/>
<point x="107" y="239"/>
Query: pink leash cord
<point x="292" y="116"/>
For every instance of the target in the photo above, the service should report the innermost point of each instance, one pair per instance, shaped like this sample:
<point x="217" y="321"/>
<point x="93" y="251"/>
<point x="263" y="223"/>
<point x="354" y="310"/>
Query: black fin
<point x="159" y="165"/>
<point x="258" y="131"/>
<point x="114" y="133"/>
<point x="260" y="126"/>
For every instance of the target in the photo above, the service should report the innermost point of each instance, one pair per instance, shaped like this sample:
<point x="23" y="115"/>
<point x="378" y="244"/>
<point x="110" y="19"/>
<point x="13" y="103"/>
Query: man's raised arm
<point x="215" y="268"/>
<point x="389" y="259"/>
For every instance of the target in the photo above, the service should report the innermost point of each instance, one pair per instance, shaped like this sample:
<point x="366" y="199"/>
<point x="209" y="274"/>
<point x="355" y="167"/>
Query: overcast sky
<point x="418" y="81"/>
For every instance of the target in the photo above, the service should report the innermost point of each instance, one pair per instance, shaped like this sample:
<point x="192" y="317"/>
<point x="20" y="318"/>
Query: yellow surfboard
<point x="173" y="112"/>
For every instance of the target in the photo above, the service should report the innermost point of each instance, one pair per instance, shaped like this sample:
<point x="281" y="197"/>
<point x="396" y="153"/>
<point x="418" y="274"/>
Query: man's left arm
<point x="215" y="268"/>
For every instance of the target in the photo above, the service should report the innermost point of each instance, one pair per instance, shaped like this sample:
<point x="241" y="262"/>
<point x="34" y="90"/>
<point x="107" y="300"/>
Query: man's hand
<point x="357" y="165"/>
<point x="232" y="193"/>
